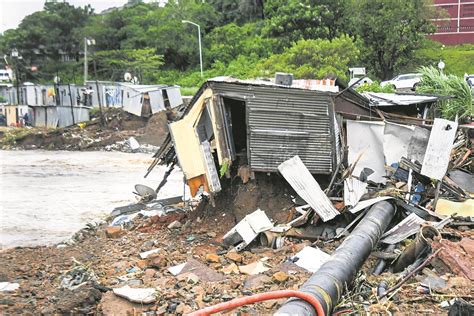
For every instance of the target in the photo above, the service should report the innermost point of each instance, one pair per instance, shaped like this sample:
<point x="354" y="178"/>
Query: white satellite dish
<point x="127" y="76"/>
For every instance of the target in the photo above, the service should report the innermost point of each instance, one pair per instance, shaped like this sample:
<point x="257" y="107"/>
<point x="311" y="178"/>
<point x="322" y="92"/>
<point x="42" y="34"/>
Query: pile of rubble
<point x="388" y="230"/>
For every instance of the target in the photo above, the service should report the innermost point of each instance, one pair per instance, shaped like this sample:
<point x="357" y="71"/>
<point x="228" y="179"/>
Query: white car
<point x="4" y="75"/>
<point x="406" y="81"/>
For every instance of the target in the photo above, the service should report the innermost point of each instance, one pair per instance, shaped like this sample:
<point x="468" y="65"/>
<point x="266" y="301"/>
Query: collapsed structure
<point x="375" y="150"/>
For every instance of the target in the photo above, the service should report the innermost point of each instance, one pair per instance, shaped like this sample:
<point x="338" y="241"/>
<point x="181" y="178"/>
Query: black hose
<point x="328" y="283"/>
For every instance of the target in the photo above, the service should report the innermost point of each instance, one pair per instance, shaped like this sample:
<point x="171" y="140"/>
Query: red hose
<point x="259" y="298"/>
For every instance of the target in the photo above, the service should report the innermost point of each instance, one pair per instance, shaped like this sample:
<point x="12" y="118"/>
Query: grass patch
<point x="11" y="136"/>
<point x="189" y="91"/>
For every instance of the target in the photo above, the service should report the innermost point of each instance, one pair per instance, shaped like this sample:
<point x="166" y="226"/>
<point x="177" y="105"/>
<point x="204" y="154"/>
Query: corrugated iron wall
<point x="284" y="122"/>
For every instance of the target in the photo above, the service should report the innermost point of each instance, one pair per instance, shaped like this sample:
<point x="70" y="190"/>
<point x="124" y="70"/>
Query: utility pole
<point x="85" y="60"/>
<point x="15" y="57"/>
<point x="87" y="42"/>
<point x="199" y="39"/>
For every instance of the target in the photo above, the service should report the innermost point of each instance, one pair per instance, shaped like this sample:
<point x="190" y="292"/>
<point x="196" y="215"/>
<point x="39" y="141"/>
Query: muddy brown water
<point x="46" y="196"/>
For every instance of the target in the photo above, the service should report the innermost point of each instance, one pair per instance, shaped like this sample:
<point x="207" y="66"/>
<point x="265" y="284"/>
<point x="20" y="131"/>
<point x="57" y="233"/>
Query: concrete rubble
<point x="368" y="235"/>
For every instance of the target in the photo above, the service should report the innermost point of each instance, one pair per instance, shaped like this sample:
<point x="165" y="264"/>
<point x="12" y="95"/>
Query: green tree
<point x="390" y="30"/>
<point x="293" y="20"/>
<point x="237" y="11"/>
<point x="140" y="62"/>
<point x="318" y="59"/>
<point x="44" y="36"/>
<point x="227" y="42"/>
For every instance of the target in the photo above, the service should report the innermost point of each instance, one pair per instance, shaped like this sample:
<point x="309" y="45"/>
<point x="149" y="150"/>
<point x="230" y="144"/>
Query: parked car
<point x="470" y="80"/>
<point x="4" y="75"/>
<point x="405" y="81"/>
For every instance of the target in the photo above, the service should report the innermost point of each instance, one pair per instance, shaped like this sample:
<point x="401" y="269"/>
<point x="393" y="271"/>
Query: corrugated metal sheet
<point x="283" y="122"/>
<point x="301" y="180"/>
<point x="58" y="116"/>
<point x="81" y="114"/>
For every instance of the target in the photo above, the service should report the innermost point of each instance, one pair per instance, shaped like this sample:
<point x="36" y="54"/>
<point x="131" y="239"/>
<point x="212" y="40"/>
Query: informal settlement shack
<point x="395" y="170"/>
<point x="254" y="125"/>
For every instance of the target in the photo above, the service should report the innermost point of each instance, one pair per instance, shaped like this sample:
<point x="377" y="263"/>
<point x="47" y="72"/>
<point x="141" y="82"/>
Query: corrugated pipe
<point x="329" y="282"/>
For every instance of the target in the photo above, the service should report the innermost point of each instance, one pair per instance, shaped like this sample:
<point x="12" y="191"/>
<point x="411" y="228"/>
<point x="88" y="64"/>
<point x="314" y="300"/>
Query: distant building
<point x="458" y="28"/>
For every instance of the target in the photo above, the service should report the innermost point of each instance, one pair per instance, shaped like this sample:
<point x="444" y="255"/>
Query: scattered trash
<point x="9" y="287"/>
<point x="78" y="276"/>
<point x="142" y="296"/>
<point x="247" y="229"/>
<point x="175" y="270"/>
<point x="146" y="254"/>
<point x="299" y="177"/>
<point x="310" y="258"/>
<point x="254" y="268"/>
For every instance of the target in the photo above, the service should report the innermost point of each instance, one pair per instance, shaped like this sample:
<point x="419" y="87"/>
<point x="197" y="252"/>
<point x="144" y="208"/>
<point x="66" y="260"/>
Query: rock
<point x="142" y="264"/>
<point x="142" y="295"/>
<point x="111" y="304"/>
<point x="192" y="278"/>
<point x="280" y="276"/>
<point x="135" y="282"/>
<point x="175" y="224"/>
<point x="234" y="256"/>
<point x="150" y="272"/>
<point x="212" y="257"/>
<point x="211" y="234"/>
<point x="231" y="268"/>
<point x="114" y="231"/>
<point x="148" y="245"/>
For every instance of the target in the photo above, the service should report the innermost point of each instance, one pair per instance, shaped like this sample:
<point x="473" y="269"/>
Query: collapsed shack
<point x="419" y="169"/>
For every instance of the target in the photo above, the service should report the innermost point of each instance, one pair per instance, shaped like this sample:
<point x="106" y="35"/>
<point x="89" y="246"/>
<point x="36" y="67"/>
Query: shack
<point x="52" y="116"/>
<point x="140" y="100"/>
<point x="252" y="124"/>
<point x="14" y="114"/>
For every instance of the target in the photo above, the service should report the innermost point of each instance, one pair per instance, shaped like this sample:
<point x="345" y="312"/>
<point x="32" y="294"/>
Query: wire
<point x="259" y="298"/>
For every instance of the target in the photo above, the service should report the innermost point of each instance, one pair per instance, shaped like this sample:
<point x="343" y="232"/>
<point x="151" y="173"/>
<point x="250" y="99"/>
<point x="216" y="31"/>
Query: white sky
<point x="13" y="11"/>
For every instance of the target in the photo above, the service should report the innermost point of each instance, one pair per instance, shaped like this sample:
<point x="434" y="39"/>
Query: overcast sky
<point x="13" y="11"/>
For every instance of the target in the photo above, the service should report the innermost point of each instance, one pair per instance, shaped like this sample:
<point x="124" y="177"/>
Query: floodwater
<point x="46" y="196"/>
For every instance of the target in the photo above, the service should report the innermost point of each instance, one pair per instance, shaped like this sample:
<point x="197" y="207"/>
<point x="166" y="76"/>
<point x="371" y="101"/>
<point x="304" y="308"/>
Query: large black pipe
<point x="328" y="283"/>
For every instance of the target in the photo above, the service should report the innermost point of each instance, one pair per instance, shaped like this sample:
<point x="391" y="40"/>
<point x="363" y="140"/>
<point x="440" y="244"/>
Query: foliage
<point x="458" y="59"/>
<point x="375" y="87"/>
<point x="319" y="58"/>
<point x="226" y="43"/>
<point x="390" y="31"/>
<point x="292" y="20"/>
<point x="460" y="102"/>
<point x="237" y="11"/>
<point x="48" y="34"/>
<point x="140" y="62"/>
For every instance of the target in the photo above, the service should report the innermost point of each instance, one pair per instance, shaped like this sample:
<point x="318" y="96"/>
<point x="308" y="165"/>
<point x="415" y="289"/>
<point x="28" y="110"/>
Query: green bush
<point x="460" y="100"/>
<point x="375" y="87"/>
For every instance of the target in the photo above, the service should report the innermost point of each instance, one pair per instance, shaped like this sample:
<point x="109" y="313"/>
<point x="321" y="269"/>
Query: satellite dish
<point x="135" y="80"/>
<point x="127" y="76"/>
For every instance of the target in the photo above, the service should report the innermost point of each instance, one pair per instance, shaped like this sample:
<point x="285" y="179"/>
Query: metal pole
<point x="102" y="123"/>
<point x="200" y="48"/>
<point x="72" y="109"/>
<point x="328" y="283"/>
<point x="85" y="60"/>
<point x="17" y="74"/>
